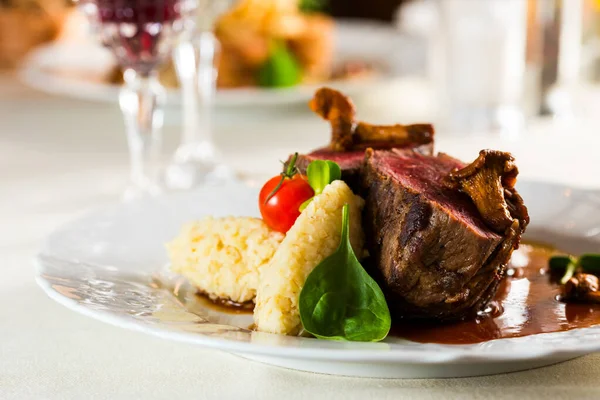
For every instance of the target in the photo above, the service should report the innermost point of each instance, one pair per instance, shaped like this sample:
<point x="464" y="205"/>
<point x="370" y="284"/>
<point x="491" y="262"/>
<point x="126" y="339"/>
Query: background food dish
<point x="267" y="43"/>
<point x="25" y="24"/>
<point x="84" y="68"/>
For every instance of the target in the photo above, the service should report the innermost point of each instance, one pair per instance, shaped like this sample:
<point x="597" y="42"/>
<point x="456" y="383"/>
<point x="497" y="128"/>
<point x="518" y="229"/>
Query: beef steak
<point x="439" y="232"/>
<point x="350" y="162"/>
<point x="437" y="252"/>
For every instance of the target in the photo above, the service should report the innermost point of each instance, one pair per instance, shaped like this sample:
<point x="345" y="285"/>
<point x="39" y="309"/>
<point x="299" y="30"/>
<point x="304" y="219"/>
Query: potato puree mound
<point x="314" y="236"/>
<point x="222" y="256"/>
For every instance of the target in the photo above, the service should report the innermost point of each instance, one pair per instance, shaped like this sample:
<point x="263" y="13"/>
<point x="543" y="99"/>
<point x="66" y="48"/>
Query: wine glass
<point x="196" y="160"/>
<point x="141" y="34"/>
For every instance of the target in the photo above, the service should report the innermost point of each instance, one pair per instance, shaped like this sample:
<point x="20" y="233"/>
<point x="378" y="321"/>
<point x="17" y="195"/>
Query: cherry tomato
<point x="281" y="210"/>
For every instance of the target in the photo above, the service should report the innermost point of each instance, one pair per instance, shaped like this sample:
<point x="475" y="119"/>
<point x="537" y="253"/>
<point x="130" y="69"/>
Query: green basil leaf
<point x="590" y="262"/>
<point x="569" y="272"/>
<point x="560" y="263"/>
<point x="321" y="173"/>
<point x="335" y="172"/>
<point x="305" y="204"/>
<point x="587" y="262"/>
<point x="340" y="301"/>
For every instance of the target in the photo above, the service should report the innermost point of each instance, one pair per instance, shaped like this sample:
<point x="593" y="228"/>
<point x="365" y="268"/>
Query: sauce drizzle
<point x="527" y="303"/>
<point x="224" y="305"/>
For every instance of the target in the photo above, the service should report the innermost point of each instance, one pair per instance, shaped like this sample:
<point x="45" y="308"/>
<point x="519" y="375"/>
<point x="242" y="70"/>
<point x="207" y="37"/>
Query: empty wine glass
<point x="196" y="160"/>
<point x="141" y="34"/>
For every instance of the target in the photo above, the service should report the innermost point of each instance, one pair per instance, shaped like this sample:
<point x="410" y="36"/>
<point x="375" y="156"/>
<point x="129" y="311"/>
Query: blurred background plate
<point x="79" y="70"/>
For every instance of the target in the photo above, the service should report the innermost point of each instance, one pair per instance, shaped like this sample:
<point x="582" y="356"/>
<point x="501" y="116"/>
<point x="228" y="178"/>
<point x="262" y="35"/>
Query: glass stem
<point x="197" y="72"/>
<point x="197" y="161"/>
<point x="141" y="101"/>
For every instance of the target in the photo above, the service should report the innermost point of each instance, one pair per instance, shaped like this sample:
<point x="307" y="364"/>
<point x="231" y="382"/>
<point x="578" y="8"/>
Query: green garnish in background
<point x="569" y="264"/>
<point x="309" y="6"/>
<point x="281" y="69"/>
<point x="320" y="174"/>
<point x="340" y="301"/>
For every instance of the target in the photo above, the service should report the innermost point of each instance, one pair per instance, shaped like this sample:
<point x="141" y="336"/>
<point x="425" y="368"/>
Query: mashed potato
<point x="314" y="236"/>
<point x="222" y="256"/>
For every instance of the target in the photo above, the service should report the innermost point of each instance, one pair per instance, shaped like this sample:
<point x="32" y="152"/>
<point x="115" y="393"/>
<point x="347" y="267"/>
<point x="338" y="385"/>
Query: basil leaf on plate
<point x="320" y="174"/>
<point x="340" y="301"/>
<point x="590" y="262"/>
<point x="569" y="264"/>
<point x="561" y="262"/>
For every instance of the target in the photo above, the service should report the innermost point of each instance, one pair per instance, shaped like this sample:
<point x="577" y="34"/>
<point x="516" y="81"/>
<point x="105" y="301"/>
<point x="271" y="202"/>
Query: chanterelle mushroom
<point x="489" y="181"/>
<point x="582" y="287"/>
<point x="348" y="134"/>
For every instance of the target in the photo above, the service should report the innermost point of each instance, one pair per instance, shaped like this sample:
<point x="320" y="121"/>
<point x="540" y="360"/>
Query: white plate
<point x="102" y="266"/>
<point x="76" y="70"/>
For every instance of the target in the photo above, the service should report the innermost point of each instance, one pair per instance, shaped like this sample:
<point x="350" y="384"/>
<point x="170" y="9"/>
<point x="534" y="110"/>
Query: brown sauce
<point x="225" y="305"/>
<point x="527" y="303"/>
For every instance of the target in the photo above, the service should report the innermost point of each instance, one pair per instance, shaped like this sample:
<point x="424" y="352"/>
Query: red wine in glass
<point x="136" y="30"/>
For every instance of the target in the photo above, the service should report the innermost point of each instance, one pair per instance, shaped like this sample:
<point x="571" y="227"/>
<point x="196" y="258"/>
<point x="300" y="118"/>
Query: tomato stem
<point x="289" y="172"/>
<point x="291" y="168"/>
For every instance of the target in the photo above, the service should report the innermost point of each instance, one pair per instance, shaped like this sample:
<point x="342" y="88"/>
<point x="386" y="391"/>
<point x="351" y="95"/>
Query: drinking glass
<point x="196" y="160"/>
<point x="141" y="34"/>
<point x="561" y="26"/>
<point x="478" y="64"/>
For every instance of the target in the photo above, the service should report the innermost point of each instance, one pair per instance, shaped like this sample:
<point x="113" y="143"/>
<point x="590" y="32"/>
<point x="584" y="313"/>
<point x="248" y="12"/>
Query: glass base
<point x="141" y="189"/>
<point x="196" y="164"/>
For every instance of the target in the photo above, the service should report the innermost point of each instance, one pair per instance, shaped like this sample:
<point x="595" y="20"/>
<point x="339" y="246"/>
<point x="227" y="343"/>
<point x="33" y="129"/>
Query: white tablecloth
<point x="60" y="158"/>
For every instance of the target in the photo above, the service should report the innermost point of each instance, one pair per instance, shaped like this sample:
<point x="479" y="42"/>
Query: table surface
<point x="60" y="158"/>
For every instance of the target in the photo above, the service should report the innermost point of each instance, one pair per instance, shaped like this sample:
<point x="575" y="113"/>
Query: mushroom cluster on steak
<point x="439" y="232"/>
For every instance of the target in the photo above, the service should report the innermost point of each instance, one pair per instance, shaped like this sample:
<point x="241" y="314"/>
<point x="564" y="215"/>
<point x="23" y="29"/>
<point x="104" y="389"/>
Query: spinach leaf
<point x="340" y="301"/>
